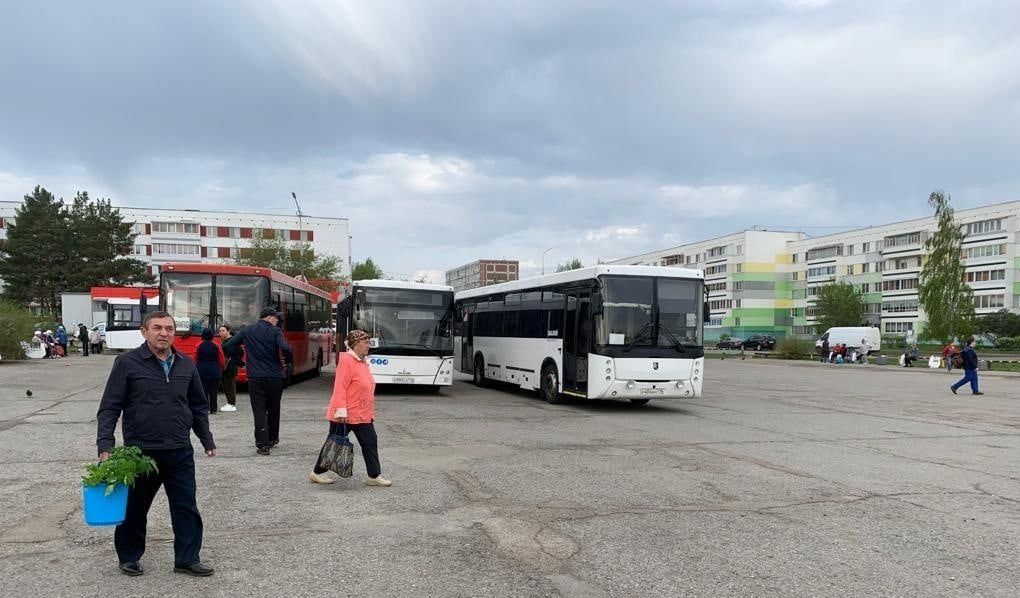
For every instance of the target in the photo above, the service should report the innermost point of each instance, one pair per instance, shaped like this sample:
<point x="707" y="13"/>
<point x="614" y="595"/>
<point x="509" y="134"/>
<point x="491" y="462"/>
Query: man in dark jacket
<point x="159" y="393"/>
<point x="263" y="343"/>
<point x="83" y="336"/>
<point x="970" y="365"/>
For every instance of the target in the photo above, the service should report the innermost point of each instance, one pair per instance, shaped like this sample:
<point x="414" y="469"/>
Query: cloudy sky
<point x="451" y="131"/>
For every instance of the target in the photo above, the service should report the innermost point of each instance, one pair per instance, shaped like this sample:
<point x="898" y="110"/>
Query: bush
<point x="1007" y="342"/>
<point x="794" y="348"/>
<point x="16" y="327"/>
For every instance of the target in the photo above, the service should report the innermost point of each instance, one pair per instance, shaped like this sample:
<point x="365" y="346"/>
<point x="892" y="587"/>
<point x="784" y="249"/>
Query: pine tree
<point x="947" y="300"/>
<point x="102" y="242"/>
<point x="35" y="262"/>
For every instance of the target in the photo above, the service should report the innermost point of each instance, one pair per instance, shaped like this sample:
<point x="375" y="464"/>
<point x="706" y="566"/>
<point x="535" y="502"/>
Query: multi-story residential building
<point x="767" y="282"/>
<point x="481" y="273"/>
<point x="747" y="277"/>
<point x="216" y="236"/>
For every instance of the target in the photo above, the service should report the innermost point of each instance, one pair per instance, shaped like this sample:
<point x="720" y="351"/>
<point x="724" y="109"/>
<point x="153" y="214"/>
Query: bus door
<point x="577" y="334"/>
<point x="467" y="341"/>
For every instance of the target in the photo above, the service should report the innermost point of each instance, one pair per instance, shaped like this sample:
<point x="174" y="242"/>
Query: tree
<point x="839" y="304"/>
<point x="573" y="264"/>
<point x="366" y="270"/>
<point x="35" y="261"/>
<point x="947" y="300"/>
<point x="293" y="260"/>
<point x="1001" y="323"/>
<point x="100" y="247"/>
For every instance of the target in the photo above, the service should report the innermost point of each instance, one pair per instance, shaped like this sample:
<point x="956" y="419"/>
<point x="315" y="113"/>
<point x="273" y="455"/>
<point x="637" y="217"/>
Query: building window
<point x="738" y="285"/>
<point x="184" y="228"/>
<point x="865" y="247"/>
<point x="672" y="260"/>
<point x="717" y="251"/>
<point x="824" y="252"/>
<point x="720" y="269"/>
<point x="899" y="306"/>
<point x="984" y="251"/>
<point x="901" y="284"/>
<point x="175" y="249"/>
<point x="821" y="271"/>
<point x="988" y="301"/>
<point x="736" y="303"/>
<point x="138" y="228"/>
<point x="138" y="250"/>
<point x="850" y="249"/>
<point x="717" y="286"/>
<point x="985" y="275"/>
<point x="795" y="274"/>
<point x="850" y="270"/>
<point x="865" y="288"/>
<point x="865" y="267"/>
<point x="740" y="250"/>
<point x="898" y="327"/>
<point x="739" y="268"/>
<point x="983" y="227"/>
<point x="717" y="304"/>
<point x="903" y="240"/>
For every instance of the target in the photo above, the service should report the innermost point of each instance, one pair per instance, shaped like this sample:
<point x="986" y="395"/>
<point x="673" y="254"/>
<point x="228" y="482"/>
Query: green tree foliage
<point x="839" y="304"/>
<point x="366" y="270"/>
<point x="293" y="260"/>
<point x="1001" y="323"/>
<point x="16" y="326"/>
<point x="52" y="248"/>
<point x="947" y="300"/>
<point x="35" y="261"/>
<point x="100" y="248"/>
<point x="573" y="264"/>
<point x="792" y="347"/>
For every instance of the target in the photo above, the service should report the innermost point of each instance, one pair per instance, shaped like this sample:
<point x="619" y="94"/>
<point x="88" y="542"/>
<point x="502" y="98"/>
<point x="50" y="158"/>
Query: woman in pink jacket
<point x="352" y="407"/>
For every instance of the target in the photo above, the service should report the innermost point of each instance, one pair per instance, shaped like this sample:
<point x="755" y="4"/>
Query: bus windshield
<point x="649" y="312"/>
<point x="403" y="319"/>
<point x="189" y="299"/>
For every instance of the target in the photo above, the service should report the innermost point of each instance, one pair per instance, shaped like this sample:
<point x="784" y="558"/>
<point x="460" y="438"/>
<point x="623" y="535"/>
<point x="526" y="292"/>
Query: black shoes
<point x="262" y="450"/>
<point x="953" y="388"/>
<point x="977" y="393"/>
<point x="195" y="570"/>
<point x="274" y="443"/>
<point x="132" y="568"/>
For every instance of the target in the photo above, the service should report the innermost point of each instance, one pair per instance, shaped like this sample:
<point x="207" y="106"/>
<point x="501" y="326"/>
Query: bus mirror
<point x="707" y="315"/>
<point x="596" y="304"/>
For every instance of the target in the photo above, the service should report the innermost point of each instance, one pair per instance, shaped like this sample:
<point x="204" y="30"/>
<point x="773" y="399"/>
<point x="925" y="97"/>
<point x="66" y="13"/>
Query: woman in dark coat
<point x="235" y="360"/>
<point x="210" y="363"/>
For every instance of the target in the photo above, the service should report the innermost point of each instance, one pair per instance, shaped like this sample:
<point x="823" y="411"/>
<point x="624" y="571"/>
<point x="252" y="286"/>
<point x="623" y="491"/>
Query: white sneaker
<point x="320" y="478"/>
<point x="228" y="407"/>
<point x="378" y="481"/>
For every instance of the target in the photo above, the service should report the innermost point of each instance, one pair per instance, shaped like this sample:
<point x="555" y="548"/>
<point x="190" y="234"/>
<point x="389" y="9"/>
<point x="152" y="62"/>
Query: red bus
<point x="202" y="296"/>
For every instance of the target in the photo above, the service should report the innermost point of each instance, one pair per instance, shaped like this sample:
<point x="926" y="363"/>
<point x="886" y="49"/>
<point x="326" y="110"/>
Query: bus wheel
<point x="639" y="402"/>
<point x="551" y="385"/>
<point x="478" y="375"/>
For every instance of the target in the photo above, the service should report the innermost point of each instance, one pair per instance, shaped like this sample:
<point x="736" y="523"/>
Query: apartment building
<point x="767" y="282"/>
<point x="480" y="273"/>
<point x="217" y="236"/>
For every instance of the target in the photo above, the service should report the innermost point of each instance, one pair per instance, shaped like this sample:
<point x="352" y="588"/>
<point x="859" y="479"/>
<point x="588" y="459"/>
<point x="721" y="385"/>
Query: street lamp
<point x="543" y="257"/>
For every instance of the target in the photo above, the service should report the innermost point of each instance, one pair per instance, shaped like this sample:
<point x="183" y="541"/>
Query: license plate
<point x="403" y="380"/>
<point x="653" y="391"/>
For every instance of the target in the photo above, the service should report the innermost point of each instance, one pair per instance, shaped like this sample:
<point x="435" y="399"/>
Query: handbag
<point x="337" y="454"/>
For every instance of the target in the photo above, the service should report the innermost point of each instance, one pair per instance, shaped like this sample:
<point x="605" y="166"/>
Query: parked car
<point x="760" y="342"/>
<point x="730" y="343"/>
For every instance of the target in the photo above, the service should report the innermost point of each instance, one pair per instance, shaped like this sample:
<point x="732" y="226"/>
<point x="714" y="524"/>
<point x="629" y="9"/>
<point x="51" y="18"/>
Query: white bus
<point x="602" y="332"/>
<point x="124" y="321"/>
<point x="409" y="324"/>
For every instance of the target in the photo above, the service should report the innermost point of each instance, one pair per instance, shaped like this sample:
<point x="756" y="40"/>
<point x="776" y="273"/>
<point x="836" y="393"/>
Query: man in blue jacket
<point x="263" y="344"/>
<point x="160" y="395"/>
<point x="970" y="365"/>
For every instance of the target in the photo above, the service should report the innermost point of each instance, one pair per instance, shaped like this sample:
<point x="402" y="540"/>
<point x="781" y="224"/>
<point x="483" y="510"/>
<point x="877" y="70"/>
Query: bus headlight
<point x="630" y="384"/>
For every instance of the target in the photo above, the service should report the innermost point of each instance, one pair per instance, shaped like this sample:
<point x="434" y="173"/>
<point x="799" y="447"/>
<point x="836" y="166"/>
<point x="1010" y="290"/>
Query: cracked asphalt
<point x="786" y="479"/>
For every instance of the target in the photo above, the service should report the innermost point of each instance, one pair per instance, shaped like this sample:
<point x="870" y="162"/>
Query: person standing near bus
<point x="210" y="363"/>
<point x="352" y="407"/>
<point x="263" y="343"/>
<point x="83" y="336"/>
<point x="235" y="361"/>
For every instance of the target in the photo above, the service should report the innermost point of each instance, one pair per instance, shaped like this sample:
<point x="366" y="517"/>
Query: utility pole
<point x="301" y="234"/>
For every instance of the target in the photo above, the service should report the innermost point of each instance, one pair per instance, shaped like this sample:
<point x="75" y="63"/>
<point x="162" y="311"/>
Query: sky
<point x="454" y="131"/>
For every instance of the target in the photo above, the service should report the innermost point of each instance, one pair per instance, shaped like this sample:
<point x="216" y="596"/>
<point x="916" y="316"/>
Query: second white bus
<point x="410" y="328"/>
<point x="603" y="332"/>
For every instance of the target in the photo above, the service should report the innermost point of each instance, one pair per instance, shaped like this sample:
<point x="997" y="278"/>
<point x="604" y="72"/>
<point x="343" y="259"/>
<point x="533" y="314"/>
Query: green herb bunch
<point x="122" y="467"/>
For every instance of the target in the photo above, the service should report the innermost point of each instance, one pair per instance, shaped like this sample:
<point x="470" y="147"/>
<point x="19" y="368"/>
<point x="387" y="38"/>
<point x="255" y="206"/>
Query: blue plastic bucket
<point x="100" y="508"/>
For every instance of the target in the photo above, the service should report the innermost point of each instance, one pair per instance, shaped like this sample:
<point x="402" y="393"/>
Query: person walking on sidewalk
<point x="210" y="363"/>
<point x="352" y="407"/>
<point x="263" y="344"/>
<point x="235" y="361"/>
<point x="83" y="336"/>
<point x="970" y="365"/>
<point x="159" y="392"/>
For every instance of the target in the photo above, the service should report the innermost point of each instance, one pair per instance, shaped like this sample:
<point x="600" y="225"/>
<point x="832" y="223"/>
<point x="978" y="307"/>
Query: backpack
<point x="957" y="359"/>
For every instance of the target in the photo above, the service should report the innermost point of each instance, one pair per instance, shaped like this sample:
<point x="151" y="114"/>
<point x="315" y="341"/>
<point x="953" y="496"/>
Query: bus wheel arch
<point x="549" y="383"/>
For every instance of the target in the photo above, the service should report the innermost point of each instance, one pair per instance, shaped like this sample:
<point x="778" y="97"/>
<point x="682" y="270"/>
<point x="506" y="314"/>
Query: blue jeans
<point x="968" y="376"/>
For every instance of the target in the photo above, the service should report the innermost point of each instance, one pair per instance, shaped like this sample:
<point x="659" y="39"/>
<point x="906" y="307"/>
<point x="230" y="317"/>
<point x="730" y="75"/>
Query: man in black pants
<point x="159" y="392"/>
<point x="263" y="343"/>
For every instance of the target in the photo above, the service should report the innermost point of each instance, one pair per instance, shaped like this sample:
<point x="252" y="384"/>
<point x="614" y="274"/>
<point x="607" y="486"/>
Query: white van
<point x="851" y="336"/>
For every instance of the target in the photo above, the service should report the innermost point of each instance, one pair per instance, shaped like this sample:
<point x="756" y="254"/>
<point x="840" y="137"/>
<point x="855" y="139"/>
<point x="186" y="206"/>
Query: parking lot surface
<point x="784" y="480"/>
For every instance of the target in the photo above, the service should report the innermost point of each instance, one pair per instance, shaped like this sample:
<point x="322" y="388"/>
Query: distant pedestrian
<point x="210" y="363"/>
<point x="947" y="356"/>
<point x="83" y="336"/>
<point x="970" y="365"/>
<point x="159" y="393"/>
<point x="352" y="407"/>
<point x="864" y="350"/>
<point x="62" y="338"/>
<point x="235" y="360"/>
<point x="96" y="340"/>
<point x="263" y="345"/>
<point x="825" y="349"/>
<point x="910" y="356"/>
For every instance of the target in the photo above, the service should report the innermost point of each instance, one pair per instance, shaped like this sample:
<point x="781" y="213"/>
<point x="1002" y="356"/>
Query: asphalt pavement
<point x="786" y="479"/>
